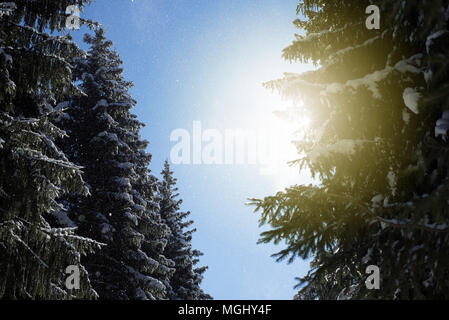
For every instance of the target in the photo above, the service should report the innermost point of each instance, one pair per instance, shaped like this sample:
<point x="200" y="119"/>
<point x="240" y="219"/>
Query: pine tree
<point x="121" y="210"/>
<point x="186" y="280"/>
<point x="378" y="102"/>
<point x="34" y="73"/>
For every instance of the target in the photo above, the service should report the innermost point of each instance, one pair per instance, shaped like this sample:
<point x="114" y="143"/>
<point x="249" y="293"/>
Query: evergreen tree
<point x="186" y="280"/>
<point x="121" y="210"/>
<point x="34" y="73"/>
<point x="378" y="102"/>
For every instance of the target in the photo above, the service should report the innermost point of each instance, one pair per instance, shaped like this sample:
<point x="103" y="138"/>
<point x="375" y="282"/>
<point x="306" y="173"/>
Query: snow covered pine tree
<point x="185" y="283"/>
<point x="34" y="72"/>
<point x="121" y="210"/>
<point x="379" y="103"/>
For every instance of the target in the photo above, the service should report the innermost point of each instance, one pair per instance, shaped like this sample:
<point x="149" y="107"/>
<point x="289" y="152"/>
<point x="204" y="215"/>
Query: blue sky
<point x="203" y="60"/>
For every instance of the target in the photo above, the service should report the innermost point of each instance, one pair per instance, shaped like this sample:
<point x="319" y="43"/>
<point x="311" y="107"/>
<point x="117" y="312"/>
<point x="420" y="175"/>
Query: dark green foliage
<point x="381" y="160"/>
<point x="75" y="187"/>
<point x="186" y="280"/>
<point x="34" y="72"/>
<point x="121" y="209"/>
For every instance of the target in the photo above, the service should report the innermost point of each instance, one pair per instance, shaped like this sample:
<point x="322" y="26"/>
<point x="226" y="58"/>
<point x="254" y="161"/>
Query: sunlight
<point x="283" y="121"/>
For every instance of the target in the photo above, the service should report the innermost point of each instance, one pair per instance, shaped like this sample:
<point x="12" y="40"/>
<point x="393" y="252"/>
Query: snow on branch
<point x="294" y="84"/>
<point x="39" y="156"/>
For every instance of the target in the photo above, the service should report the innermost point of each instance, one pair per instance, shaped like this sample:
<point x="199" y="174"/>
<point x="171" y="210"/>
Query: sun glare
<point x="286" y="122"/>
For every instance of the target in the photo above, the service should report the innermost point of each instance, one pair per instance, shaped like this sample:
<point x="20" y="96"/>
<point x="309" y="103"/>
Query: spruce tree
<point x="34" y="73"/>
<point x="378" y="102"/>
<point x="121" y="210"/>
<point x="186" y="280"/>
